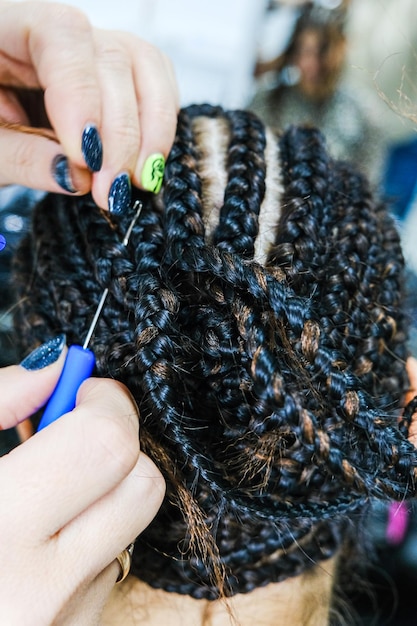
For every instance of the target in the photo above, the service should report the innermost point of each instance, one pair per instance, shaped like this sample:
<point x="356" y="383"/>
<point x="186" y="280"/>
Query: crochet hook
<point x="80" y="360"/>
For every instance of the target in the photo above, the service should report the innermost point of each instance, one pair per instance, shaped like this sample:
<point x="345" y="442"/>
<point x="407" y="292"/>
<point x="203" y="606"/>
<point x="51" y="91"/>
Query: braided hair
<point x="256" y="317"/>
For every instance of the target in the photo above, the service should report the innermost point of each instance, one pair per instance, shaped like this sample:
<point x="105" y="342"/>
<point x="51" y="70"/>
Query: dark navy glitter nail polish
<point x="92" y="148"/>
<point x="45" y="355"/>
<point x="61" y="173"/>
<point x="120" y="195"/>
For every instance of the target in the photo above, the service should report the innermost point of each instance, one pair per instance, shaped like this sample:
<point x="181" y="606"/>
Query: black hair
<point x="270" y="392"/>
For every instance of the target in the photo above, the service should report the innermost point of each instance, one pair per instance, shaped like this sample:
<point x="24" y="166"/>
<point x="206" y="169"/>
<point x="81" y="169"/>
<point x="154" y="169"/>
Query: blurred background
<point x="346" y="66"/>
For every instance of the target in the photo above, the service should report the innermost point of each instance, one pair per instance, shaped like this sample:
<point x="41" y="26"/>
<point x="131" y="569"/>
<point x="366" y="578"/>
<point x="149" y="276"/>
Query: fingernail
<point x="153" y="172"/>
<point x="45" y="355"/>
<point x="92" y="148"/>
<point x="120" y="195"/>
<point x="61" y="173"/>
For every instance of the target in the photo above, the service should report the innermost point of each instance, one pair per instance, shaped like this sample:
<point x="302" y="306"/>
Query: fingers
<point x="25" y="392"/>
<point x="90" y="451"/>
<point x="86" y="606"/>
<point x="61" y="48"/>
<point x="120" y="131"/>
<point x="34" y="160"/>
<point x="158" y="106"/>
<point x="90" y="543"/>
<point x="139" y="112"/>
<point x="74" y="496"/>
<point x="113" y="522"/>
<point x="51" y="46"/>
<point x="119" y="86"/>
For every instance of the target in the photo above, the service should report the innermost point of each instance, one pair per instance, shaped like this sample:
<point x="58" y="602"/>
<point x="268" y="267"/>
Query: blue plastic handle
<point x="78" y="366"/>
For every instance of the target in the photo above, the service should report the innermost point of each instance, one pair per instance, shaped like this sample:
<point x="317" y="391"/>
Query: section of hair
<point x="269" y="393"/>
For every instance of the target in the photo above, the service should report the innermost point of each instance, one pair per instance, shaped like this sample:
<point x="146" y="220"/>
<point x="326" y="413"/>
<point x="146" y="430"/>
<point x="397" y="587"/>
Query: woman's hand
<point x="110" y="100"/>
<point x="73" y="496"/>
<point x="412" y="375"/>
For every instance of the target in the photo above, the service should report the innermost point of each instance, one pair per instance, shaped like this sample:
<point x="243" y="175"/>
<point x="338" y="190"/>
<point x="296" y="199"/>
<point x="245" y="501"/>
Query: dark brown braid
<point x="269" y="394"/>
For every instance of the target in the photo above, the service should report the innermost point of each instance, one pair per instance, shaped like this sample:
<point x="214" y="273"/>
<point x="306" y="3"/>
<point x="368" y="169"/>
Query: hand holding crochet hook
<point x="80" y="361"/>
<point x="74" y="485"/>
<point x="81" y="109"/>
<point x="70" y="492"/>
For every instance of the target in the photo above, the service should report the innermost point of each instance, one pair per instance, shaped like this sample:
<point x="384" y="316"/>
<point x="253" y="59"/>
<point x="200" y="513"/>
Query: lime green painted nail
<point x="153" y="172"/>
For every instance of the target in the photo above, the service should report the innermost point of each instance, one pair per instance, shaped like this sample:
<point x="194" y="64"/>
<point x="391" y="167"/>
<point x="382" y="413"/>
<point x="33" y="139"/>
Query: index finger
<point x="54" y="51"/>
<point x="139" y="111"/>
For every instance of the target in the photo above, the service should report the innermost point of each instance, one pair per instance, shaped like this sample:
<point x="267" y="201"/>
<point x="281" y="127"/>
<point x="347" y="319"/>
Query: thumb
<point x="36" y="160"/>
<point x="25" y="388"/>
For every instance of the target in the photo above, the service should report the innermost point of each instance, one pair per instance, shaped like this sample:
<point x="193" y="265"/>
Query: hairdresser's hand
<point x="412" y="375"/>
<point x="73" y="497"/>
<point x="96" y="86"/>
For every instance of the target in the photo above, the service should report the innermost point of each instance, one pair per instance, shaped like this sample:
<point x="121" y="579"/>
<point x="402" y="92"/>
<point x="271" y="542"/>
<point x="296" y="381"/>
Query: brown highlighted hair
<point x="256" y="318"/>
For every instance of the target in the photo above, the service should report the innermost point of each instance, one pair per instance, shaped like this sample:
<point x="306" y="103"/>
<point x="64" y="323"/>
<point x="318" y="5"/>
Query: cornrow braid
<point x="245" y="189"/>
<point x="256" y="318"/>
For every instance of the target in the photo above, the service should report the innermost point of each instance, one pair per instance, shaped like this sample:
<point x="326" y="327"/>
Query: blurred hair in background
<point x="305" y="84"/>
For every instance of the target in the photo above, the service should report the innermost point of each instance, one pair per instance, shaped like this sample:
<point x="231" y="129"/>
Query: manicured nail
<point x="153" y="172"/>
<point x="92" y="148"/>
<point x="45" y="355"/>
<point x="120" y="195"/>
<point x="61" y="173"/>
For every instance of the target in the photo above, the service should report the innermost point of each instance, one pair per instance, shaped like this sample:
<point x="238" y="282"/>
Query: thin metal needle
<point x="95" y="318"/>
<point x="138" y="206"/>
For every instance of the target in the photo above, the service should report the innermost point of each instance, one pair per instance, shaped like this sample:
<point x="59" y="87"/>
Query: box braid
<point x="270" y="392"/>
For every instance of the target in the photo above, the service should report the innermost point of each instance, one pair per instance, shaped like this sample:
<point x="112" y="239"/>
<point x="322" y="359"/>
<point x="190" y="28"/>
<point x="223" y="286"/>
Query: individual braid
<point x="245" y="189"/>
<point x="269" y="394"/>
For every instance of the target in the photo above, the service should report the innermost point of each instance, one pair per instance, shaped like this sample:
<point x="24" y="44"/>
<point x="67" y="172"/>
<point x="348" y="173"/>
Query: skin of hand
<point x="79" y="76"/>
<point x="412" y="375"/>
<point x="73" y="497"/>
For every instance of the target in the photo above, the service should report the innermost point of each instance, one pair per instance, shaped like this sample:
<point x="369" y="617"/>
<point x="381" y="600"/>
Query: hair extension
<point x="269" y="392"/>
